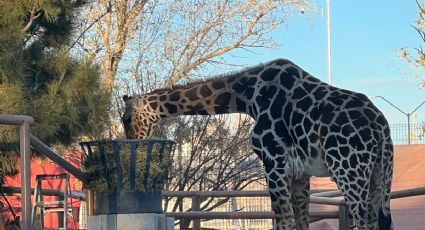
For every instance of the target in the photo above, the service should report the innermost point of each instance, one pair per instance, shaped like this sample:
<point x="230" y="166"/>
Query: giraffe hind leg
<point x="354" y="185"/>
<point x="379" y="194"/>
<point x="384" y="216"/>
<point x="375" y="197"/>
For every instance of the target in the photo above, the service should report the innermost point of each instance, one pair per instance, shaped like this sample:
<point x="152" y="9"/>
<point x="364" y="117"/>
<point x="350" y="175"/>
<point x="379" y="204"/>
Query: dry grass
<point x="108" y="170"/>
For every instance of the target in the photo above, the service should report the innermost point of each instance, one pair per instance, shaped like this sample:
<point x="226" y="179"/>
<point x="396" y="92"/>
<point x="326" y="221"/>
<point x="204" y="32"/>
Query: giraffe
<point x="303" y="128"/>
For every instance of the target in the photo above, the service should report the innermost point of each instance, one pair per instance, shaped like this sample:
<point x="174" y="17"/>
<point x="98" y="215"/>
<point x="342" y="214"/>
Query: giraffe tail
<point x="384" y="216"/>
<point x="384" y="220"/>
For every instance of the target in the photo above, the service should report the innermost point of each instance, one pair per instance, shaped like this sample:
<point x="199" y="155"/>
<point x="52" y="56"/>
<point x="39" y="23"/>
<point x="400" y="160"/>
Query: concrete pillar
<point x="133" y="221"/>
<point x="170" y="223"/>
<point x="165" y="223"/>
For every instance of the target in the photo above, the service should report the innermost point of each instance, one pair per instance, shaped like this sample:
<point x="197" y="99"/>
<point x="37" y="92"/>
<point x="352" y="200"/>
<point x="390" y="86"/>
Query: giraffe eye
<point x="127" y="120"/>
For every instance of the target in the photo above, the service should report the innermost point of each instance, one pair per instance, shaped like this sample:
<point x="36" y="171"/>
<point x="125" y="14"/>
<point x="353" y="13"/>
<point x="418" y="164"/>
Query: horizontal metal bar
<point x="44" y="149"/>
<point x="251" y="193"/>
<point x="313" y="198"/>
<point x="8" y="119"/>
<point x="326" y="200"/>
<point x="47" y="192"/>
<point x="241" y="215"/>
<point x="138" y="141"/>
<point x="333" y="193"/>
<point x="394" y="195"/>
<point x="259" y="193"/>
<point x="408" y="193"/>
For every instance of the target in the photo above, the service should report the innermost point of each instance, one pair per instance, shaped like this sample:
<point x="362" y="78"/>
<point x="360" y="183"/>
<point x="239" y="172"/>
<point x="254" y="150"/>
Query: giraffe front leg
<point x="300" y="201"/>
<point x="282" y="207"/>
<point x="280" y="194"/>
<point x="279" y="182"/>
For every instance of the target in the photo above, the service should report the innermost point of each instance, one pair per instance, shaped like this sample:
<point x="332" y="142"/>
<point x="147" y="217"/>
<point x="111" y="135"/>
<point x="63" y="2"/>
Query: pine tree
<point x="39" y="78"/>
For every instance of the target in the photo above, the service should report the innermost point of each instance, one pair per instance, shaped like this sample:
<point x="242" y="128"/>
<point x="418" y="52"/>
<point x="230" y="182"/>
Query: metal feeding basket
<point x="127" y="175"/>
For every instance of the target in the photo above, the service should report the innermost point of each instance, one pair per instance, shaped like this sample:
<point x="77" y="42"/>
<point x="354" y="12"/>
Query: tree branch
<point x="31" y="20"/>
<point x="108" y="10"/>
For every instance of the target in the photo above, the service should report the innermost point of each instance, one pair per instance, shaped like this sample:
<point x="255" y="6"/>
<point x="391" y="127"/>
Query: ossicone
<point x="126" y="98"/>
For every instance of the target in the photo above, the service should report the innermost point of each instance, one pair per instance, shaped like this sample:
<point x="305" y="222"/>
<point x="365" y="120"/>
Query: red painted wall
<point x="45" y="166"/>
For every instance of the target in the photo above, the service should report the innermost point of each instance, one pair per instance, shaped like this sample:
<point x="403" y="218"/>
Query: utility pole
<point x="328" y="26"/>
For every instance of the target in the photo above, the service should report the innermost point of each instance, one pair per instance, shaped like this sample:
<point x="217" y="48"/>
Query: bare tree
<point x="212" y="154"/>
<point x="155" y="41"/>
<point x="143" y="45"/>
<point x="113" y="24"/>
<point x="414" y="57"/>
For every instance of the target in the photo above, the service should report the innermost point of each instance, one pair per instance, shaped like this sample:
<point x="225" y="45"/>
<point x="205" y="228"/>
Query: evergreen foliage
<point x="39" y="78"/>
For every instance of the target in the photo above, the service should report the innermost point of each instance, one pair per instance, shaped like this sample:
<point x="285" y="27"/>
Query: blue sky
<point x="366" y="37"/>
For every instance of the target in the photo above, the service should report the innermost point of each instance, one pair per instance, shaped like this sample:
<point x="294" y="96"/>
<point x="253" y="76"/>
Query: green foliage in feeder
<point x="113" y="166"/>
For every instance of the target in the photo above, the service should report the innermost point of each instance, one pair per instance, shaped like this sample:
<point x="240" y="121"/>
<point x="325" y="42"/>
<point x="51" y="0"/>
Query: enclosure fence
<point x="319" y="197"/>
<point x="26" y="140"/>
<point x="408" y="134"/>
<point x="401" y="134"/>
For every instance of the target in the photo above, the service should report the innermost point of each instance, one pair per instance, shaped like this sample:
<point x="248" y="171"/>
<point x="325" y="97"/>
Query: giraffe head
<point x="139" y="118"/>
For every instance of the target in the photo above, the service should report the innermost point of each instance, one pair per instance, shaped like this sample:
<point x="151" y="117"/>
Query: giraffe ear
<point x="126" y="98"/>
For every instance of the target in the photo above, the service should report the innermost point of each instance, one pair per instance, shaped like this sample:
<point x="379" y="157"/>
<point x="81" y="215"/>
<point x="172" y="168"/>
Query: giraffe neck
<point x="249" y="92"/>
<point x="215" y="96"/>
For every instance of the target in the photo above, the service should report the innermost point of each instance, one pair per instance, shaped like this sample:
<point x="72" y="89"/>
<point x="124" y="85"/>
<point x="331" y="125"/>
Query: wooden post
<point x="344" y="217"/>
<point x="196" y="206"/>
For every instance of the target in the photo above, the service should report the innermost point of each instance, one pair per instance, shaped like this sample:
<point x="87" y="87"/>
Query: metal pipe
<point x="389" y="102"/>
<point x="196" y="206"/>
<point x="408" y="129"/>
<point x="48" y="192"/>
<point x="264" y="193"/>
<point x="326" y="200"/>
<point x="251" y="193"/>
<point x="408" y="193"/>
<point x="44" y="149"/>
<point x="15" y="119"/>
<point x="333" y="193"/>
<point x="242" y="215"/>
<point x="25" y="154"/>
<point x="328" y="26"/>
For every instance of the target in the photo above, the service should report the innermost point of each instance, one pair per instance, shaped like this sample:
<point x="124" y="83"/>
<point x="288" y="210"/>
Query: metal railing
<point x="324" y="197"/>
<point x="332" y="197"/>
<point x="48" y="192"/>
<point x="24" y="123"/>
<point x="195" y="215"/>
<point x="26" y="140"/>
